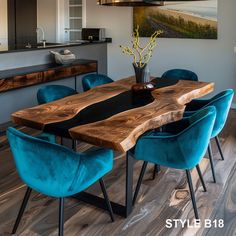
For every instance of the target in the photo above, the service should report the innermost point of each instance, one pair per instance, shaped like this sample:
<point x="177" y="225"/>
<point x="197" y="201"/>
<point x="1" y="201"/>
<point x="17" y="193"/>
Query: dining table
<point x="114" y="116"/>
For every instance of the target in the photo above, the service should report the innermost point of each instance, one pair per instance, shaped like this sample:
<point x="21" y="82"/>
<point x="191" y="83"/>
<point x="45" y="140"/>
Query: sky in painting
<point x="204" y="9"/>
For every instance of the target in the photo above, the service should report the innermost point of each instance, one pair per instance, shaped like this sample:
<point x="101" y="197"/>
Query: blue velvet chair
<point x="93" y="80"/>
<point x="51" y="93"/>
<point x="222" y="103"/>
<point x="56" y="171"/>
<point x="181" y="150"/>
<point x="181" y="74"/>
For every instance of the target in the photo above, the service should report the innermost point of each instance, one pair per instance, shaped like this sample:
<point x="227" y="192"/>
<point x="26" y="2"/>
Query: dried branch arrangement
<point x="141" y="54"/>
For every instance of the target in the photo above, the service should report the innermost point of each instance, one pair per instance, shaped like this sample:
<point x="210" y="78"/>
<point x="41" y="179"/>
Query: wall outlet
<point x="234" y="49"/>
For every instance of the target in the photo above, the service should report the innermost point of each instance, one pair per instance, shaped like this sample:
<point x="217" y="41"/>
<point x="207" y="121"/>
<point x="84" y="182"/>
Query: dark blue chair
<point x="51" y="93"/>
<point x="222" y="103"/>
<point x="93" y="80"/>
<point x="181" y="150"/>
<point x="180" y="74"/>
<point x="56" y="171"/>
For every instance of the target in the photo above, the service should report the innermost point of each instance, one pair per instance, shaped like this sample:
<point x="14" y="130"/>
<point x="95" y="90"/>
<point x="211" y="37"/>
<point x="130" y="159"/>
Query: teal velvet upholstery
<point x="221" y="102"/>
<point x="54" y="170"/>
<point x="92" y="80"/>
<point x="183" y="149"/>
<point x="180" y="74"/>
<point x="47" y="137"/>
<point x="51" y="93"/>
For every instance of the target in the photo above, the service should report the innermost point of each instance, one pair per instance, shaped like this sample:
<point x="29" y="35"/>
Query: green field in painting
<point x="173" y="26"/>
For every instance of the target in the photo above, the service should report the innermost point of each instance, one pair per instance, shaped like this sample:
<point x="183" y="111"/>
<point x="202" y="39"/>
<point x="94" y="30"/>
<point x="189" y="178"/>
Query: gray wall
<point x="212" y="60"/>
<point x="26" y="97"/>
<point x="47" y="19"/>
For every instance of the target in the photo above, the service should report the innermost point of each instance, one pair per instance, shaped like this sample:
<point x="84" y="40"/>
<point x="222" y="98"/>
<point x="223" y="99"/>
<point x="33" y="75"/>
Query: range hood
<point x="136" y="3"/>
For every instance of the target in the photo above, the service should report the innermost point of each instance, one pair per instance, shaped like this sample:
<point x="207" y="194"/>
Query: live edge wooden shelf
<point x="32" y="75"/>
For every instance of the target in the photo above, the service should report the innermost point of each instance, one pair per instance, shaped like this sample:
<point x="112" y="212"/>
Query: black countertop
<point x="56" y="45"/>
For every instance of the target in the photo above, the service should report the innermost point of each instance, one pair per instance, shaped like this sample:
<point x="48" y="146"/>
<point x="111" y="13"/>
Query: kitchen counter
<point x="16" y="99"/>
<point x="57" y="45"/>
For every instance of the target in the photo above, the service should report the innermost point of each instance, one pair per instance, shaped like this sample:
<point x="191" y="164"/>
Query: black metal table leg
<point x="74" y="145"/>
<point x="75" y="83"/>
<point x="140" y="179"/>
<point x="129" y="184"/>
<point x="108" y="203"/>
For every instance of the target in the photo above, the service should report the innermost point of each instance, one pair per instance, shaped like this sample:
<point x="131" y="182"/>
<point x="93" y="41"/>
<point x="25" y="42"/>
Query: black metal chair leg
<point x="201" y="177"/>
<point x="154" y="172"/>
<point x="22" y="209"/>
<point x="140" y="179"/>
<point x="61" y="216"/>
<point x="211" y="162"/>
<point x="219" y="147"/>
<point x="108" y="203"/>
<point x="157" y="168"/>
<point x="190" y="184"/>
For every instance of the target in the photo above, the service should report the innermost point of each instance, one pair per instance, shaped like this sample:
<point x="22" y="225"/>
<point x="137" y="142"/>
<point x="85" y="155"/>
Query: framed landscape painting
<point x="178" y="19"/>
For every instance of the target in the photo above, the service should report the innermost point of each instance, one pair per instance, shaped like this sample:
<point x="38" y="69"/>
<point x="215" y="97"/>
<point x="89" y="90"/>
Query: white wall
<point x="212" y="60"/>
<point x="3" y="25"/>
<point x="47" y="18"/>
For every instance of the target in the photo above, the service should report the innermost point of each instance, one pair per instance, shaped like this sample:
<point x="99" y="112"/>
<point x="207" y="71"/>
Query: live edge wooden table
<point x="112" y="116"/>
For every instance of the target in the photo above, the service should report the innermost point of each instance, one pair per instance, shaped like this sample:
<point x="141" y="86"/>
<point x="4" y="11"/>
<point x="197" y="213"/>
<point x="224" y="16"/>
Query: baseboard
<point x="233" y="106"/>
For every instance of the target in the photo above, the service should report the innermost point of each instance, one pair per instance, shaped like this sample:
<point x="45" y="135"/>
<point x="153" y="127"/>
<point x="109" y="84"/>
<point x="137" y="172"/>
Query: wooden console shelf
<point x="32" y="75"/>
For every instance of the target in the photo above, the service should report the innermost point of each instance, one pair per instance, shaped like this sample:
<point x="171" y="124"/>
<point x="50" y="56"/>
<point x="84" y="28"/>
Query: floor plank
<point x="165" y="197"/>
<point x="226" y="209"/>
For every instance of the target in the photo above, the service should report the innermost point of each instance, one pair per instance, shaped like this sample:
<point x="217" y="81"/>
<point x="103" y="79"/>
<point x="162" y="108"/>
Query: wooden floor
<point x="165" y="197"/>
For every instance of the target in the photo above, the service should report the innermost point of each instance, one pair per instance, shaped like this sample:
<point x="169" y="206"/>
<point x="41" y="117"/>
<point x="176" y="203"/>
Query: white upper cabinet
<point x="71" y="15"/>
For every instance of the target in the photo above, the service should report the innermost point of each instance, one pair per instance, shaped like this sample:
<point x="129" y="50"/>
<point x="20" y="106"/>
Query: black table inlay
<point x="164" y="82"/>
<point x="105" y="109"/>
